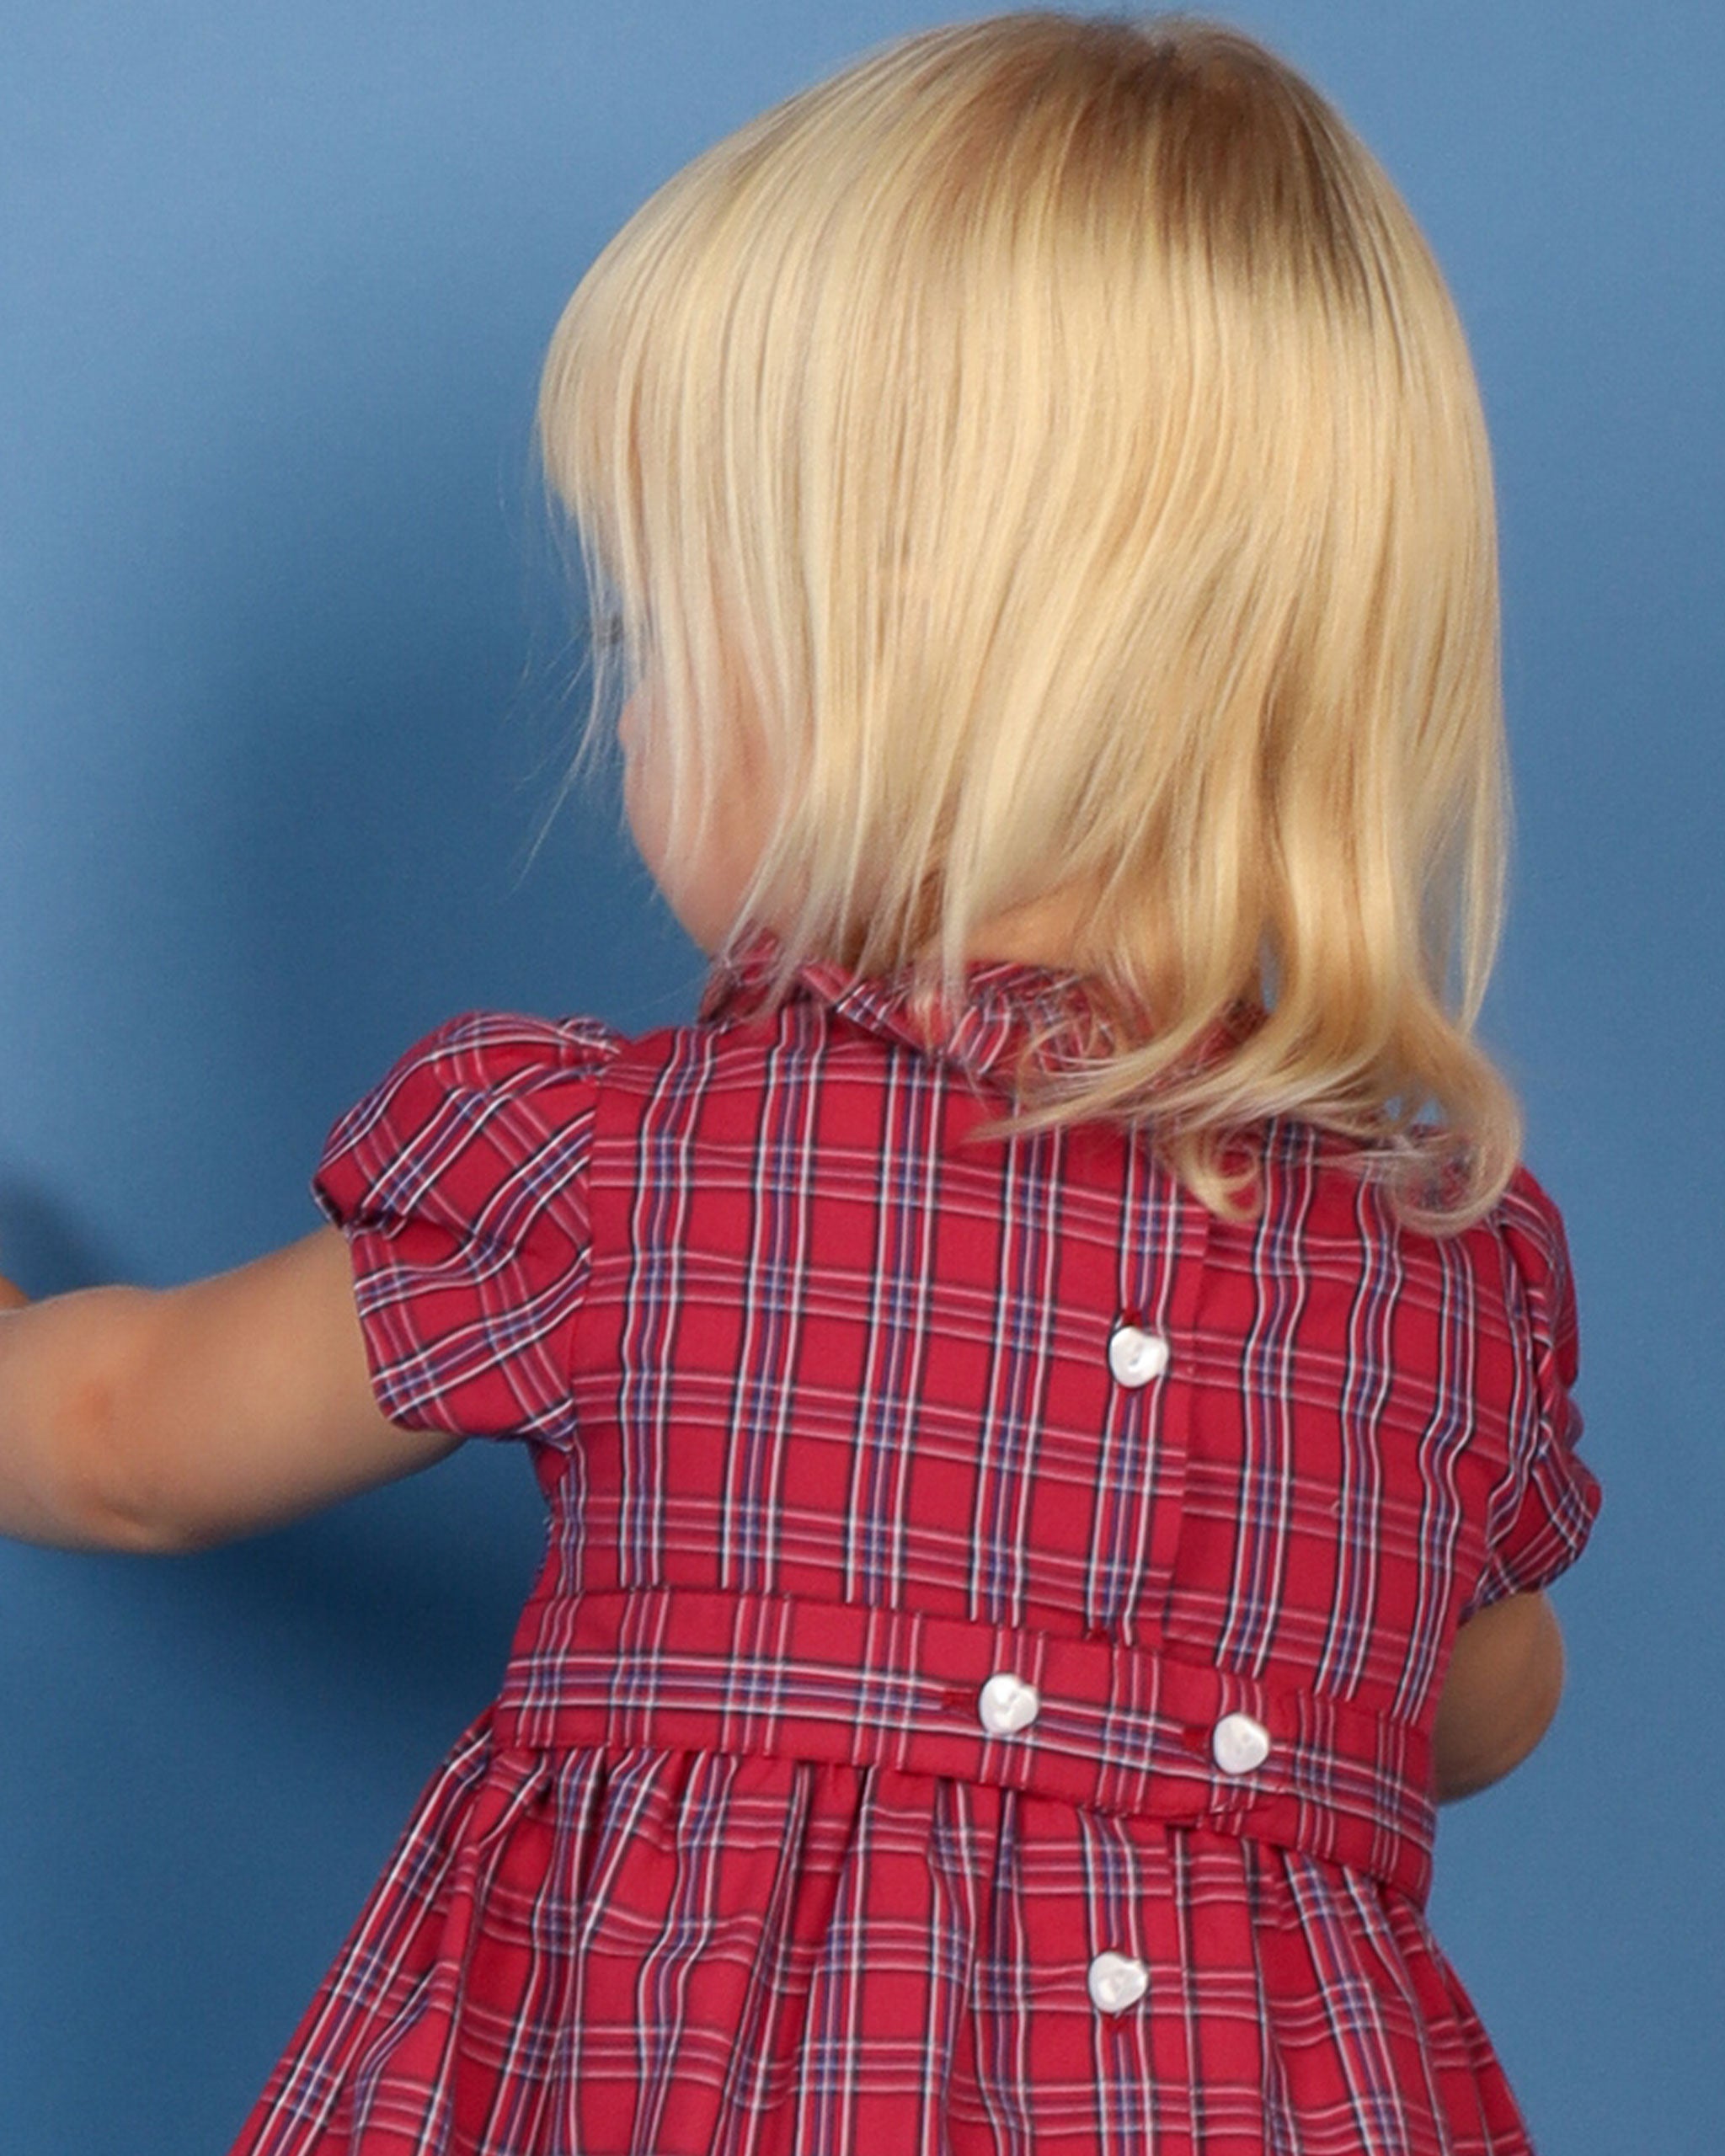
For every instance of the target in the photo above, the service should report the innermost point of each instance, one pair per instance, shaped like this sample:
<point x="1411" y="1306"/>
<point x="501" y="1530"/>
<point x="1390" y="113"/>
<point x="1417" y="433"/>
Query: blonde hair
<point x="1052" y="440"/>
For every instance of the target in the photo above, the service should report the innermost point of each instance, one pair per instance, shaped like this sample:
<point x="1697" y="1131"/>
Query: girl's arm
<point x="170" y="1419"/>
<point x="1500" y="1692"/>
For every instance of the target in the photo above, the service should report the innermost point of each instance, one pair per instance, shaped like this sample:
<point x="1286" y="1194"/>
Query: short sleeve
<point x="460" y="1182"/>
<point x="1552" y="1497"/>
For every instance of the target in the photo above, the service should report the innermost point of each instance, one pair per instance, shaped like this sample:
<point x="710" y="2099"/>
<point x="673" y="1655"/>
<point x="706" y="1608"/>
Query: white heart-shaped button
<point x="1239" y="1744"/>
<point x="1117" y="1982"/>
<point x="1006" y="1704"/>
<point x="1135" y="1356"/>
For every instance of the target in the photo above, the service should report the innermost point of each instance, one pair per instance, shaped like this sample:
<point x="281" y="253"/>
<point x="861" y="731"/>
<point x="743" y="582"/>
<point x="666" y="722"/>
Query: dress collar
<point x="1007" y="1010"/>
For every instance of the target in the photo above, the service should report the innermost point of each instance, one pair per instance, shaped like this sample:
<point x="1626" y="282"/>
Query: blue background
<point x="285" y="688"/>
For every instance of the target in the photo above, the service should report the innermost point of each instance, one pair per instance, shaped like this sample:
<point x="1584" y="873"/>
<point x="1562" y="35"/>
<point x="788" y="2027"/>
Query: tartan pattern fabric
<point x="1116" y="1729"/>
<point x="818" y="1388"/>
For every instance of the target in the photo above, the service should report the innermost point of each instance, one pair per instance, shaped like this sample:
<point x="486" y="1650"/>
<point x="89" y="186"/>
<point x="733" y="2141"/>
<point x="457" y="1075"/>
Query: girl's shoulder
<point x="1538" y="1244"/>
<point x="1528" y="1208"/>
<point x="503" y="1080"/>
<point x="495" y="1046"/>
<point x="490" y="1052"/>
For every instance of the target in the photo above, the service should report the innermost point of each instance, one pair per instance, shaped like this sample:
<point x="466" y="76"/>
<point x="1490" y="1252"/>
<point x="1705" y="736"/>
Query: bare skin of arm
<point x="1500" y="1693"/>
<point x="172" y="1419"/>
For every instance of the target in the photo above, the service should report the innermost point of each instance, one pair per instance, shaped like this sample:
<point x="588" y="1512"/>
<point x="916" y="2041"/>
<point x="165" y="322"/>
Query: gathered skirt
<point x="630" y="1952"/>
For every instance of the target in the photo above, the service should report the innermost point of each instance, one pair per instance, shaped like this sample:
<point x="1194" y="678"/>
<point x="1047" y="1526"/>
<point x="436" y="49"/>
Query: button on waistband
<point x="1238" y="1744"/>
<point x="1006" y="1704"/>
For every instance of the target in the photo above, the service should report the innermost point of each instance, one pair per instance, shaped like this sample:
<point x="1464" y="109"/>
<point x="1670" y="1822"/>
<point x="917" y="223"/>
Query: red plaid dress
<point x="978" y="1697"/>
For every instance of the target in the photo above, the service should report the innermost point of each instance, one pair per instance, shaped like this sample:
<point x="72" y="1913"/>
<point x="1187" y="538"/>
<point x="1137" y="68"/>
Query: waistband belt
<point x="1122" y="1729"/>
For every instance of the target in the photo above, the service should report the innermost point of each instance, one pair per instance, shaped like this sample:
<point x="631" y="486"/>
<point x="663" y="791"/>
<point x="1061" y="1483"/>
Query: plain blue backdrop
<point x="285" y="688"/>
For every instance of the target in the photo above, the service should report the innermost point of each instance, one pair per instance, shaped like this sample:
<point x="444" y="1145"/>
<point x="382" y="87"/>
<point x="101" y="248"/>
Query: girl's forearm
<point x="1500" y="1693"/>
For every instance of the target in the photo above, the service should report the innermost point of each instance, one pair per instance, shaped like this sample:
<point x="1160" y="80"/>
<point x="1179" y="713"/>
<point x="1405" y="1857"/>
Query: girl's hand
<point x="11" y="1298"/>
<point x="170" y="1419"/>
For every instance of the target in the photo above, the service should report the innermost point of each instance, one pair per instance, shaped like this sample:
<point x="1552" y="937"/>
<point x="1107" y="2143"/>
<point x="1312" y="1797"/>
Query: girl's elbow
<point x="1517" y="1750"/>
<point x="1497" y="1706"/>
<point x="107" y="1495"/>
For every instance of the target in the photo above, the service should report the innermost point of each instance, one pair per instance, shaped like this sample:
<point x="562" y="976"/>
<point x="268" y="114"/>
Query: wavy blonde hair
<point x="1051" y="441"/>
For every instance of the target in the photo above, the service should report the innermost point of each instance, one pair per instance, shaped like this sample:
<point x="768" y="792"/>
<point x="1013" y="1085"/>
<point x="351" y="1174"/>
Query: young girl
<point x="1050" y="1461"/>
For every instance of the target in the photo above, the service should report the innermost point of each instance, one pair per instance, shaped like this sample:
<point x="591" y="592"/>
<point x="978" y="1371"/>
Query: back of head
<point x="1051" y="443"/>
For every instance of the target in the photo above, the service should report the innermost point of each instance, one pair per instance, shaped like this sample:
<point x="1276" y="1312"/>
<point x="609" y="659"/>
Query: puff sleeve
<point x="1547" y="1506"/>
<point x="460" y="1182"/>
